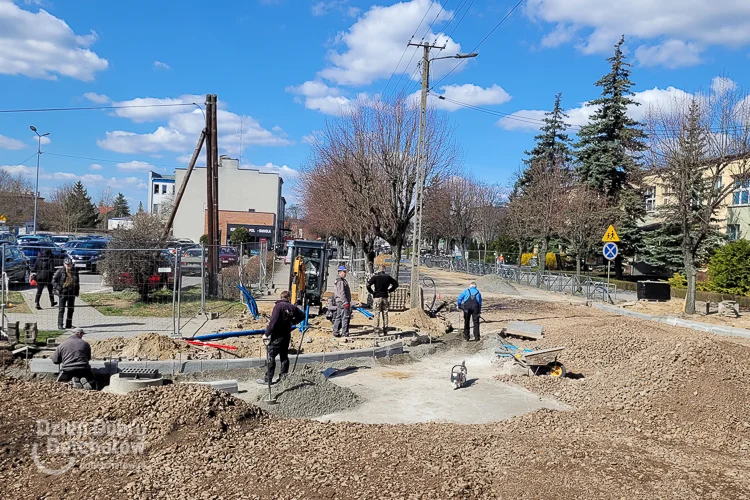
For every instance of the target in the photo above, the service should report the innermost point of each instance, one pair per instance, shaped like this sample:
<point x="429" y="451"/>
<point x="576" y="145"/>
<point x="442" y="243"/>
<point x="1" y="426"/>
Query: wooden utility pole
<point x="216" y="241"/>
<point x="210" y="218"/>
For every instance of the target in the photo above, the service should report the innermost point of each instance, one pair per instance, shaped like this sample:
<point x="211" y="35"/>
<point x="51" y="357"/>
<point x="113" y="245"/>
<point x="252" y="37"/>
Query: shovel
<point x="271" y="400"/>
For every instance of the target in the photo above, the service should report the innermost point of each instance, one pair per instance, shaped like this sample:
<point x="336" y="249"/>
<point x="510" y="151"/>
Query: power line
<point x="27" y="159"/>
<point x="462" y="18"/>
<point x="429" y="7"/>
<point x="88" y="108"/>
<point x="483" y="39"/>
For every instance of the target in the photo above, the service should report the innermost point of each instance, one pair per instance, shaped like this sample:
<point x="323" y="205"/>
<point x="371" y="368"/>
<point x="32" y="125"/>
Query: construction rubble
<point x="653" y="412"/>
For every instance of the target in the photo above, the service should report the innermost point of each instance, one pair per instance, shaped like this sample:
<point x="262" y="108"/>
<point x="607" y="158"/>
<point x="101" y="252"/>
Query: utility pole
<point x="211" y="203"/>
<point x="215" y="186"/>
<point x="38" y="156"/>
<point x="415" y="300"/>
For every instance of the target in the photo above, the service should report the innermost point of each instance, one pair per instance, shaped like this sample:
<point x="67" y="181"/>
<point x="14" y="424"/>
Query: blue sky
<point x="281" y="68"/>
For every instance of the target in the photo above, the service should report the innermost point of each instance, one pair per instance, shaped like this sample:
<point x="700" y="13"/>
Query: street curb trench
<point x="177" y="367"/>
<point x="724" y="331"/>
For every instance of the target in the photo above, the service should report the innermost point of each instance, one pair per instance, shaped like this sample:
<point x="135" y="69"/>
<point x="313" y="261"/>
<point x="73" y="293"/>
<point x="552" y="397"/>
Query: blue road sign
<point x="610" y="251"/>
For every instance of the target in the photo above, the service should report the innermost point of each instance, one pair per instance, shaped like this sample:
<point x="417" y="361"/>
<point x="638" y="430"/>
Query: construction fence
<point x="125" y="292"/>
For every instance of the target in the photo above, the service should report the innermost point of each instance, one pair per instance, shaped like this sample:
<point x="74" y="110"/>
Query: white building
<point x="120" y="223"/>
<point x="247" y="198"/>
<point x="161" y="191"/>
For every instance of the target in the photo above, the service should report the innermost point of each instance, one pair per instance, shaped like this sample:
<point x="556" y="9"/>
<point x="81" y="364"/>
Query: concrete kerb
<point x="726" y="331"/>
<point x="176" y="367"/>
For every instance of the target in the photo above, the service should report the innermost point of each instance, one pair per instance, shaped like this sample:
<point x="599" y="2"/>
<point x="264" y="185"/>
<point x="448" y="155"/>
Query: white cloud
<point x="42" y="140"/>
<point x="95" y="166"/>
<point x="529" y="120"/>
<point x="324" y="7"/>
<point x="311" y="137"/>
<point x="183" y="128"/>
<point x="283" y="170"/>
<point x="148" y="109"/>
<point x="374" y="43"/>
<point x="97" y="98"/>
<point x="670" y="54"/>
<point x="469" y="94"/>
<point x="19" y="170"/>
<point x="11" y="144"/>
<point x="161" y="65"/>
<point x="40" y="45"/>
<point x="318" y="96"/>
<point x="136" y="165"/>
<point x="666" y="24"/>
<point x="722" y="84"/>
<point x="71" y="177"/>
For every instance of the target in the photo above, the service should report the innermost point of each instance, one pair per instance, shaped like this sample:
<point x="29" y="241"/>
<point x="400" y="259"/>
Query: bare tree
<point x="546" y="189"/>
<point x="694" y="148"/>
<point x="370" y="155"/>
<point x="462" y="206"/>
<point x="56" y="213"/>
<point x="16" y="198"/>
<point x="489" y="213"/>
<point x="105" y="203"/>
<point x="582" y="220"/>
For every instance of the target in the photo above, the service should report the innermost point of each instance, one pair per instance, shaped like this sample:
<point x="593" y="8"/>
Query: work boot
<point x="85" y="384"/>
<point x="60" y="327"/>
<point x="38" y="307"/>
<point x="75" y="382"/>
<point x="261" y="381"/>
<point x="68" y="325"/>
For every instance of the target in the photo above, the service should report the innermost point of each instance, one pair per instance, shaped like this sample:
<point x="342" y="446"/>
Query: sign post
<point x="610" y="250"/>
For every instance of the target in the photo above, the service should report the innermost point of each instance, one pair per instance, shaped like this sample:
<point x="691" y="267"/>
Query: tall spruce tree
<point x="120" y="207"/>
<point x="83" y="214"/>
<point x="140" y="207"/>
<point x="609" y="149"/>
<point x="553" y="145"/>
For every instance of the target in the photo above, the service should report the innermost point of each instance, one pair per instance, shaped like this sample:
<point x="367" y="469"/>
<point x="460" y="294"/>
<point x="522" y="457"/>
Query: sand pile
<point x="417" y="318"/>
<point x="492" y="283"/>
<point x="147" y="346"/>
<point x="307" y="394"/>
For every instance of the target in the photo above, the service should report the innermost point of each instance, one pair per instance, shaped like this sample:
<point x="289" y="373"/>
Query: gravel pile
<point x="307" y="394"/>
<point x="492" y="283"/>
<point x="148" y="346"/>
<point x="417" y="318"/>
<point x="660" y="413"/>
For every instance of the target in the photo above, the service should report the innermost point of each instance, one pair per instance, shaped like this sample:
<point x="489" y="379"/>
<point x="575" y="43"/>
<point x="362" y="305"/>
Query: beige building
<point x="240" y="190"/>
<point x="733" y="216"/>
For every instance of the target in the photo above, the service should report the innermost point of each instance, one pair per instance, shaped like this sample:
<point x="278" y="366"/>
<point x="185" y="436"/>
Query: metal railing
<point x="572" y="284"/>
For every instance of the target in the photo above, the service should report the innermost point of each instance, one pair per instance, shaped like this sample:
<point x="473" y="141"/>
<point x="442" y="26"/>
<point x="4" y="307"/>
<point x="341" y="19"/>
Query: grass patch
<point x="43" y="335"/>
<point x="19" y="304"/>
<point x="129" y="303"/>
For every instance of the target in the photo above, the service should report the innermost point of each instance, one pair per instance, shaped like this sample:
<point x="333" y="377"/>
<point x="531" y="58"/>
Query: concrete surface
<point x="422" y="392"/>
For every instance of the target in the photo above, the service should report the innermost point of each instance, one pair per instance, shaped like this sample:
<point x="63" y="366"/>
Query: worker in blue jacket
<point x="470" y="301"/>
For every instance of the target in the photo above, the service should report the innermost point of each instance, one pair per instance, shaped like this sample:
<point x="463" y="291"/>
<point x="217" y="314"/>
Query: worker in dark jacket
<point x="65" y="284"/>
<point x="279" y="334"/>
<point x="470" y="301"/>
<point x="381" y="286"/>
<point x="73" y="356"/>
<point x="44" y="269"/>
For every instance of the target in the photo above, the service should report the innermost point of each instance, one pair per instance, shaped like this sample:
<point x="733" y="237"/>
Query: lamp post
<point x="415" y="301"/>
<point x="38" y="155"/>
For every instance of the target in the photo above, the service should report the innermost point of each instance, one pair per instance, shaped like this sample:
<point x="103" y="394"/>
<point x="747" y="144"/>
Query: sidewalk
<point x="98" y="325"/>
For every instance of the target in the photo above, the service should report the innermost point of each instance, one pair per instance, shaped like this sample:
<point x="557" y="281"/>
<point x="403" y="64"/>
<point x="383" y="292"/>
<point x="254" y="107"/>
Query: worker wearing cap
<point x="470" y="301"/>
<point x="279" y="334"/>
<point x="342" y="296"/>
<point x="73" y="356"/>
<point x="65" y="283"/>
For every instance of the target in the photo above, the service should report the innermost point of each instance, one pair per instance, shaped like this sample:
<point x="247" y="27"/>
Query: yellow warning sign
<point x="2" y="218"/>
<point x="611" y="235"/>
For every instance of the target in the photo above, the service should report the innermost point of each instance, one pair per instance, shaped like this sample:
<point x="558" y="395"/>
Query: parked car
<point x="31" y="247"/>
<point x="61" y="239"/>
<point x="17" y="266"/>
<point x="8" y="239"/>
<point x="30" y="238"/>
<point x="191" y="261"/>
<point x="87" y="254"/>
<point x="154" y="281"/>
<point x="228" y="256"/>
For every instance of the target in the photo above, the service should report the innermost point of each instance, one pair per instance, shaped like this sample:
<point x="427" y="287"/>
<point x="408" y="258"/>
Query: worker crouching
<point x="278" y="336"/>
<point x="73" y="356"/>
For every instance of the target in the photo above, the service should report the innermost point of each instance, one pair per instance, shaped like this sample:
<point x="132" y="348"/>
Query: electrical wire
<point x="27" y="159"/>
<point x="429" y="7"/>
<point x="482" y="41"/>
<point x="88" y="108"/>
<point x="462" y="18"/>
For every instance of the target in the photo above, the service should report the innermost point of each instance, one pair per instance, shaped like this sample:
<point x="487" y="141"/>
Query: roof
<point x="105" y="210"/>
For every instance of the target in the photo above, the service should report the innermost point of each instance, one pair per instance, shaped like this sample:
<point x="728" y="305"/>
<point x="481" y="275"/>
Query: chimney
<point x="227" y="162"/>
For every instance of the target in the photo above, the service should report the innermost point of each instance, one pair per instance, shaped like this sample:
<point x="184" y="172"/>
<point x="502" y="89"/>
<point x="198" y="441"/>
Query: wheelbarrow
<point x="538" y="362"/>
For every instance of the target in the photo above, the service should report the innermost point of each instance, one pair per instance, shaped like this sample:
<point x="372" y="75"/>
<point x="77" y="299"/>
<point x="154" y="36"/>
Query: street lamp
<point x="38" y="154"/>
<point x="417" y="237"/>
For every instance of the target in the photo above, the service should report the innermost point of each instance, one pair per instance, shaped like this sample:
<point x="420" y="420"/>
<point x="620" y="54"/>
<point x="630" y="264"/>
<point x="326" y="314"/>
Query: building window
<point x="649" y="198"/>
<point x="155" y="210"/>
<point x="741" y="193"/>
<point x="172" y="190"/>
<point x="156" y="189"/>
<point x="733" y="231"/>
<point x="163" y="189"/>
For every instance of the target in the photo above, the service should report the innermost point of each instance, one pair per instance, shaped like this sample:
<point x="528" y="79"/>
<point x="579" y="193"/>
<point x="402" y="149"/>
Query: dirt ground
<point x="674" y="308"/>
<point x="655" y="412"/>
